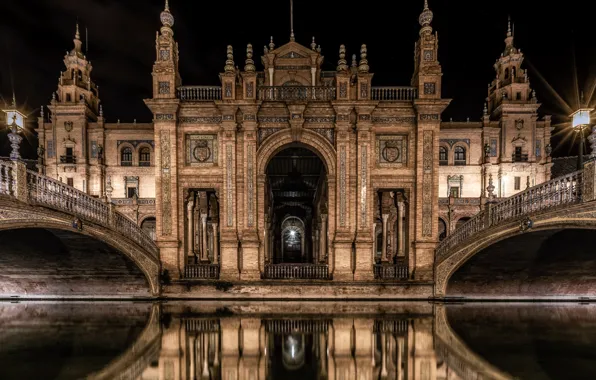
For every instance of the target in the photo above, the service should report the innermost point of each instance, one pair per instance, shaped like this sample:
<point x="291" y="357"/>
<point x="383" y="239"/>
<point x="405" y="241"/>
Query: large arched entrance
<point x="296" y="192"/>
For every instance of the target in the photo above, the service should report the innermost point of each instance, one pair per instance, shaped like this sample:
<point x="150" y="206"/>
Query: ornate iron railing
<point x="391" y="271"/>
<point x="199" y="93"/>
<point x="202" y="271"/>
<point x="296" y="93"/>
<point x="68" y="159"/>
<point x="560" y="191"/>
<point x="297" y="272"/>
<point x="44" y="191"/>
<point x="394" y="93"/>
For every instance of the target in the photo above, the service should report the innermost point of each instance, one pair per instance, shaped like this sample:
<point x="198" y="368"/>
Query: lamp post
<point x="580" y="119"/>
<point x="15" y="121"/>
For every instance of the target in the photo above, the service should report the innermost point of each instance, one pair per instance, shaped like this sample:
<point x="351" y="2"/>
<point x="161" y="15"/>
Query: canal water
<point x="296" y="340"/>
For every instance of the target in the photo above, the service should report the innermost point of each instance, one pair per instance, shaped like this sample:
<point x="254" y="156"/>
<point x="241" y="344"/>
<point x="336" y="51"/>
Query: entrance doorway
<point x="297" y="208"/>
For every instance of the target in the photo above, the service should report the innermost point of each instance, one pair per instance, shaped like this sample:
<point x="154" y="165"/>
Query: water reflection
<point x="266" y="341"/>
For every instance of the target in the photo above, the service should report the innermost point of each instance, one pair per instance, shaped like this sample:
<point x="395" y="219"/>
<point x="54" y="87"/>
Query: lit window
<point x="442" y="155"/>
<point x="145" y="157"/>
<point x="126" y="157"/>
<point x="460" y="155"/>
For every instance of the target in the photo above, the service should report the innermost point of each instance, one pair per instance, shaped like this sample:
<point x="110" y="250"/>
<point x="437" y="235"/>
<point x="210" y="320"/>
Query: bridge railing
<point x="44" y="191"/>
<point x="560" y="191"/>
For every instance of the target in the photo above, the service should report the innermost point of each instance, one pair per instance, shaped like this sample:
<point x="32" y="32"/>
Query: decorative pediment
<point x="293" y="54"/>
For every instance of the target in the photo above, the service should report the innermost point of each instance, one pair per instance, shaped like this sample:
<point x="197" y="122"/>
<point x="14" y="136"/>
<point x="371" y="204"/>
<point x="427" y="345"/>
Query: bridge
<point x="32" y="200"/>
<point x="563" y="202"/>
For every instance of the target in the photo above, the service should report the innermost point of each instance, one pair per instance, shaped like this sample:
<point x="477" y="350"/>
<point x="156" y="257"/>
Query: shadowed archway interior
<point x="47" y="262"/>
<point x="297" y="193"/>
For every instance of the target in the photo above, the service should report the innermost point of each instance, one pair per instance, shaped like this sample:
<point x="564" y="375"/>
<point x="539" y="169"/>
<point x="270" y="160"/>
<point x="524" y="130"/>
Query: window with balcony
<point x="69" y="157"/>
<point x="145" y="157"/>
<point x="126" y="157"/>
<point x="459" y="155"/>
<point x="443" y="161"/>
<point x="519" y="156"/>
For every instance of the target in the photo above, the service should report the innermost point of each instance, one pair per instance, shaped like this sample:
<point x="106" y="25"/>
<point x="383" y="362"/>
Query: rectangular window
<point x="538" y="148"/>
<point x="517" y="183"/>
<point x="131" y="191"/>
<point x="50" y="149"/>
<point x="454" y="192"/>
<point x="70" y="182"/>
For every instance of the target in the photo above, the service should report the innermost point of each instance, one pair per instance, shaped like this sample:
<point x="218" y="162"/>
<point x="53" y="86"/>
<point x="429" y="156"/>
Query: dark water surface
<point x="296" y="340"/>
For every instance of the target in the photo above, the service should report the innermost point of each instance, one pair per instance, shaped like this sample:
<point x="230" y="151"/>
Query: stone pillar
<point x="342" y="365"/>
<point x="266" y="243"/>
<point x="20" y="178"/>
<point x="197" y="225"/>
<point x="250" y="363"/>
<point x="363" y="329"/>
<point x="204" y="254"/>
<point x="401" y="229"/>
<point x="230" y="330"/>
<point x="422" y="348"/>
<point x="323" y="239"/>
<point x="384" y="239"/>
<point x="190" y="226"/>
<point x="215" y="243"/>
<point x="316" y="246"/>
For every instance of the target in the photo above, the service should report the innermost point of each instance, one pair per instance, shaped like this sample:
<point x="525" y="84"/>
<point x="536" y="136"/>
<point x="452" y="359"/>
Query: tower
<point x="74" y="105"/>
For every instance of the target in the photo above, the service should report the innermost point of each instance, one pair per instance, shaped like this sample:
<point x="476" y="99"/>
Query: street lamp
<point x="15" y="121"/>
<point x="580" y="120"/>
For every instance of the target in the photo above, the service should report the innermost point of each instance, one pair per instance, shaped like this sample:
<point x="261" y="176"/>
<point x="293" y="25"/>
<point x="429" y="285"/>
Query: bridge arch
<point x="16" y="215"/>
<point x="579" y="216"/>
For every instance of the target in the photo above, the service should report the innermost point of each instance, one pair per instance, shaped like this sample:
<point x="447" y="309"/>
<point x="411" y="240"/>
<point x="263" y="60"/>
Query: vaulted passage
<point x="47" y="263"/>
<point x="538" y="264"/>
<point x="297" y="208"/>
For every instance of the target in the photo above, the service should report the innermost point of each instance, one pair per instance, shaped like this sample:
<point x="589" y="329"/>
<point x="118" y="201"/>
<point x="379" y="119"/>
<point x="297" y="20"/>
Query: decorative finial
<point x="509" y="34"/>
<point x="41" y="112"/>
<point x="313" y="44"/>
<point x="229" y="67"/>
<point x="342" y="64"/>
<point x="100" y="111"/>
<point x="490" y="188"/>
<point x="363" y="65"/>
<point x="77" y="33"/>
<point x="354" y="61"/>
<point x="249" y="64"/>
<point x="265" y="50"/>
<point x="166" y="17"/>
<point x="53" y="96"/>
<point x="534" y="94"/>
<point x="77" y="40"/>
<point x="485" y="108"/>
<point x="426" y="17"/>
<point x="318" y="48"/>
<point x="292" y="37"/>
<point x="271" y="44"/>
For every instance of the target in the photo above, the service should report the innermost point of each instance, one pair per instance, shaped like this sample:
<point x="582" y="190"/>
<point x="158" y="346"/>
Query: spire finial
<point x="485" y="108"/>
<point x="77" y="40"/>
<point x="292" y="37"/>
<point x="354" y="61"/>
<point x="166" y="17"/>
<point x="271" y="44"/>
<point x="425" y="4"/>
<point x="77" y="33"/>
<point x="229" y="67"/>
<point x="363" y="65"/>
<point x="509" y="26"/>
<point x="167" y="7"/>
<point x="342" y="64"/>
<point x="426" y="17"/>
<point x="249" y="65"/>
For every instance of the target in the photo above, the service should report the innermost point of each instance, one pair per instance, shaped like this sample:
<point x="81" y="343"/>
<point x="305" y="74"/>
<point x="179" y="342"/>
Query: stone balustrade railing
<point x="202" y="271"/>
<point x="392" y="93"/>
<point x="391" y="271"/>
<point x="296" y="93"/>
<point x="296" y="272"/>
<point x="36" y="189"/>
<point x="560" y="191"/>
<point x="199" y="93"/>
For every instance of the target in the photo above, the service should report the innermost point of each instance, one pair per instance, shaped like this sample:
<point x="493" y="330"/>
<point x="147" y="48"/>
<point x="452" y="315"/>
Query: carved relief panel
<point x="201" y="149"/>
<point x="391" y="150"/>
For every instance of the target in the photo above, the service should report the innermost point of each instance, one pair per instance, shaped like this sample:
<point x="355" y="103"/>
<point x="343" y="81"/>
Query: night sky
<point x="35" y="34"/>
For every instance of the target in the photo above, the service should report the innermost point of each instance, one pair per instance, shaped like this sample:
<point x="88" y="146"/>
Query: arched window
<point x="145" y="157"/>
<point x="459" y="155"/>
<point x="126" y="157"/>
<point x="443" y="156"/>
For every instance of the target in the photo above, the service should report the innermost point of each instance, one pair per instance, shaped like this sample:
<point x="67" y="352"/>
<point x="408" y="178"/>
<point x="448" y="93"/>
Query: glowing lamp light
<point x="14" y="115"/>
<point x="581" y="118"/>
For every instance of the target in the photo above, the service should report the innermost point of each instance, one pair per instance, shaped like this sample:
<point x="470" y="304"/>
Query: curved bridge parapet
<point x="516" y="214"/>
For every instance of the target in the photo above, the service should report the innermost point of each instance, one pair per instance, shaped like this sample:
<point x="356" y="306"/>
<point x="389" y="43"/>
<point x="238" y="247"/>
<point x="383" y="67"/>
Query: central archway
<point x="296" y="178"/>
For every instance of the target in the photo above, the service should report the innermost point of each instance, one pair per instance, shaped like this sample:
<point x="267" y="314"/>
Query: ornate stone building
<point x="295" y="172"/>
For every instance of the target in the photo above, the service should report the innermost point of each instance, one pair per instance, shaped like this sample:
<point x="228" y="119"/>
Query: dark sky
<point x="35" y="34"/>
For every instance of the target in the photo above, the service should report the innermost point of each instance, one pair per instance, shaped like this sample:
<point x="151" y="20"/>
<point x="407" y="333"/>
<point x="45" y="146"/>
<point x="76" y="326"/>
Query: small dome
<point x="166" y="18"/>
<point x="426" y="17"/>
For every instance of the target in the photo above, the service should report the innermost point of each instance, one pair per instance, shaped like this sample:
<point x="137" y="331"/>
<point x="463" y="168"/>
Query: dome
<point x="166" y="18"/>
<point x="426" y="17"/>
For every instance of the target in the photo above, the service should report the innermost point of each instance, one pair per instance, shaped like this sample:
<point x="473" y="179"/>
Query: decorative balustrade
<point x="296" y="93"/>
<point x="199" y="93"/>
<point x="460" y="201"/>
<point x="297" y="272"/>
<point x="202" y="271"/>
<point x="44" y="191"/>
<point x="292" y="326"/>
<point x="394" y="93"/>
<point x="391" y="271"/>
<point x="561" y="191"/>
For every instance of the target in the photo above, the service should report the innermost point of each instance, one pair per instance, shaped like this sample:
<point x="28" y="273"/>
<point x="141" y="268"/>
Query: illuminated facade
<point x="293" y="172"/>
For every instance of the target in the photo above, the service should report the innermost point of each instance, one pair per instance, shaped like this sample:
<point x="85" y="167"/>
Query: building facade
<point x="293" y="172"/>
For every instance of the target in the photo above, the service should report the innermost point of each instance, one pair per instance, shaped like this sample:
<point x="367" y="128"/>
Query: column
<point x="215" y="243"/>
<point x="384" y="239"/>
<point x="189" y="228"/>
<point x="316" y="245"/>
<point x="196" y="226"/>
<point x="204" y="256"/>
<point x="266" y="242"/>
<point x="401" y="229"/>
<point x="323" y="239"/>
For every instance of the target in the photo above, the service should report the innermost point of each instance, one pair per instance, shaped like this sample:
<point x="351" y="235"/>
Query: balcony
<point x="296" y="93"/>
<point x="397" y="271"/>
<point x="144" y="163"/>
<point x="68" y="159"/>
<point x="394" y="93"/>
<point x="202" y="271"/>
<point x="297" y="272"/>
<point x="517" y="157"/>
<point x="199" y="93"/>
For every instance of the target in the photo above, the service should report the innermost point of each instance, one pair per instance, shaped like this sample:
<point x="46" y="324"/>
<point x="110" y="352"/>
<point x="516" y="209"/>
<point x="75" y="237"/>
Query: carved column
<point x="316" y="246"/>
<point x="401" y="229"/>
<point x="384" y="239"/>
<point x="215" y="243"/>
<point x="190" y="226"/>
<point x="341" y="262"/>
<point x="204" y="255"/>
<point x="363" y="270"/>
<point x="323" y="238"/>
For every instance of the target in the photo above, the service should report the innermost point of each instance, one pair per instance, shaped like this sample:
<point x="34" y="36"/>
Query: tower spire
<point x="292" y="37"/>
<point x="77" y="40"/>
<point x="167" y="7"/>
<point x="509" y="34"/>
